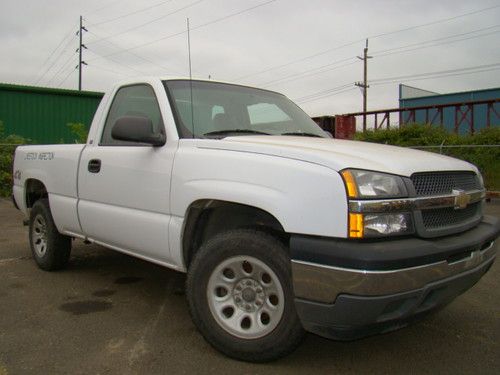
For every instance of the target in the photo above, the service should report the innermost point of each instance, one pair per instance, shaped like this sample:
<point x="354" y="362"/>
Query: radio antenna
<point x="190" y="74"/>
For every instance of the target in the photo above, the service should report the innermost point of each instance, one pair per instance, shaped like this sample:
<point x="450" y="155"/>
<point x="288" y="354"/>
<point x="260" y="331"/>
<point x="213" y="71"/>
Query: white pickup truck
<point x="280" y="228"/>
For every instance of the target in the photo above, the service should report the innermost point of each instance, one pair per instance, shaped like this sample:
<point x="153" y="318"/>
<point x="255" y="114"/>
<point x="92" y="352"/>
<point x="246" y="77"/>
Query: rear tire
<point x="50" y="249"/>
<point x="239" y="289"/>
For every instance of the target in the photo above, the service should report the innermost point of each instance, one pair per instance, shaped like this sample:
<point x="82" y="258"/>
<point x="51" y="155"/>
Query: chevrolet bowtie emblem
<point x="462" y="199"/>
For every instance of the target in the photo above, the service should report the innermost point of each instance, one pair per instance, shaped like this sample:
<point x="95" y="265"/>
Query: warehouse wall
<point x="480" y="111"/>
<point x="42" y="114"/>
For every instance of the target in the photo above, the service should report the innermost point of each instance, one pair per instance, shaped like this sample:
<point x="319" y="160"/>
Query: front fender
<point x="304" y="197"/>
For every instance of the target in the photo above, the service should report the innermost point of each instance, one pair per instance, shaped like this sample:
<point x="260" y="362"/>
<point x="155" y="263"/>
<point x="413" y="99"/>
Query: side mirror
<point x="136" y="129"/>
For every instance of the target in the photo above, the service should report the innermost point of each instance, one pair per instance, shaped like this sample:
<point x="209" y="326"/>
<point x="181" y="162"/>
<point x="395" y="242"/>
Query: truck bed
<point x="57" y="166"/>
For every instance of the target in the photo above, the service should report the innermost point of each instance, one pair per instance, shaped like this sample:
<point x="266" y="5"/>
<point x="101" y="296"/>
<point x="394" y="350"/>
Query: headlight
<point x="362" y="184"/>
<point x="379" y="225"/>
<point x="367" y="184"/>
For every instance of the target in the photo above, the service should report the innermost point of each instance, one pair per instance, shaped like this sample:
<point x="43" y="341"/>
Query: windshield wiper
<point x="301" y="134"/>
<point x="230" y="131"/>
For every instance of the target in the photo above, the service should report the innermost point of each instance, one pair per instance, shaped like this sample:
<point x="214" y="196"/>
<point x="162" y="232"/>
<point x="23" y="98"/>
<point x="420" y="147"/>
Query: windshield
<point x="220" y="110"/>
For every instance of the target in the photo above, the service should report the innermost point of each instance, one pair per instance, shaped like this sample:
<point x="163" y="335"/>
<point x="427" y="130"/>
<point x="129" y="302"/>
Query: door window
<point x="136" y="100"/>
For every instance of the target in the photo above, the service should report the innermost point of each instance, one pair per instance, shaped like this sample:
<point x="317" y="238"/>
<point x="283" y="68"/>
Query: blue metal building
<point x="455" y="111"/>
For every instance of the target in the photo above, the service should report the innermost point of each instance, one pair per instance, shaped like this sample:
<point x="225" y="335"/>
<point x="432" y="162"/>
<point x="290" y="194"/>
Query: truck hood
<point x="340" y="154"/>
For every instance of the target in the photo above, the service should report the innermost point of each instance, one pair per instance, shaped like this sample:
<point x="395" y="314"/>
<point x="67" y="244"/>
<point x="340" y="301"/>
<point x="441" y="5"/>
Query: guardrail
<point x="454" y="114"/>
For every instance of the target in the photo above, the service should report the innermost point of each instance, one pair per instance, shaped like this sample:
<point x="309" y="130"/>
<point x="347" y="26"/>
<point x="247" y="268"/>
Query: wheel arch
<point x="207" y="217"/>
<point x="34" y="189"/>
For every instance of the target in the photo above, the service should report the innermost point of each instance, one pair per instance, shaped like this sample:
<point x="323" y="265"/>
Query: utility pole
<point x="81" y="46"/>
<point x="364" y="85"/>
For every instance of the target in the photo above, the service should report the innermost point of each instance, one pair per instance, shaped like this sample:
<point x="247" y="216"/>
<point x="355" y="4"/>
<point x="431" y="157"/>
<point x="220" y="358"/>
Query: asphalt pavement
<point x="110" y="313"/>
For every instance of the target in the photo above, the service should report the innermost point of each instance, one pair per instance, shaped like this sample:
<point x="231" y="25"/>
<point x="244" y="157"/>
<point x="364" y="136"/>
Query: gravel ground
<point x="109" y="313"/>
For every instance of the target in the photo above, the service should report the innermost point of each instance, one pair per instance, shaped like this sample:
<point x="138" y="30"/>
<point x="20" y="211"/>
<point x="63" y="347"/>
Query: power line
<point x="443" y="20"/>
<point x="194" y="28"/>
<point x="62" y="67"/>
<point x="309" y="72"/>
<point x="412" y="77"/>
<point x="298" y="60"/>
<point x="272" y="68"/>
<point x="132" y="13"/>
<point x="325" y="96"/>
<point x="163" y="67"/>
<point x="103" y="7"/>
<point x="109" y="70"/>
<point x="439" y="76"/>
<point x="328" y="91"/>
<point x="147" y="23"/>
<point x="386" y="52"/>
<point x="67" y="35"/>
<point x="66" y="78"/>
<point x="397" y="78"/>
<point x="56" y="59"/>
<point x="117" y="62"/>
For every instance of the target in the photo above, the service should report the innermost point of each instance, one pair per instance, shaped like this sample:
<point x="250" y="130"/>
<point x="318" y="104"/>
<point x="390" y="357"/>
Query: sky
<point x="305" y="49"/>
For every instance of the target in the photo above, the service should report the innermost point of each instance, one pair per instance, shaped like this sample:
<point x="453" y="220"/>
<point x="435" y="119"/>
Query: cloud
<point x="280" y="34"/>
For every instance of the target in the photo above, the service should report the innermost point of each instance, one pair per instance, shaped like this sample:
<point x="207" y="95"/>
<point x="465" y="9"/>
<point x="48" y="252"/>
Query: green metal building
<point x="42" y="114"/>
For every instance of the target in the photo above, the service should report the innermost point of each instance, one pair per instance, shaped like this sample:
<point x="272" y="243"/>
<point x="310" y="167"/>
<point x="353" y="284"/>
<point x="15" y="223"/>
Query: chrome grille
<point x="443" y="221"/>
<point x="440" y="183"/>
<point x="448" y="217"/>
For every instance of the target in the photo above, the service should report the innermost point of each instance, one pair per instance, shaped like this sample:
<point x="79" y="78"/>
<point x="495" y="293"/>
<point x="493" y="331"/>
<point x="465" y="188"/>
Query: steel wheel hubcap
<point x="39" y="235"/>
<point x="245" y="297"/>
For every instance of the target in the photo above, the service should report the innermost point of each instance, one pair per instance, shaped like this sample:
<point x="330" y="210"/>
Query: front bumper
<point x="395" y="283"/>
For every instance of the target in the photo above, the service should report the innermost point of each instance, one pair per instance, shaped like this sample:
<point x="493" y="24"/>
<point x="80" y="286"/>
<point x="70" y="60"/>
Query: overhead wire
<point x="62" y="67"/>
<point x="66" y="78"/>
<point x="59" y="55"/>
<point x="441" y="72"/>
<point x="193" y="28"/>
<point x="411" y="77"/>
<point x="103" y="7"/>
<point x="132" y="13"/>
<point x="145" y="23"/>
<point x="326" y="96"/>
<point x="291" y="62"/>
<point x="118" y="62"/>
<point x="163" y="67"/>
<point x="441" y="41"/>
<point x="330" y="90"/>
<point x="99" y="67"/>
<point x="310" y="72"/>
<point x="437" y="76"/>
<point x="66" y="36"/>
<point x="387" y="52"/>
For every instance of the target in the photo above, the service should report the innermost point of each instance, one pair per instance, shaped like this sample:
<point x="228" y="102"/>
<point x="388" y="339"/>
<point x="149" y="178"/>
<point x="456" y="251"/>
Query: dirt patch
<point x="85" y="307"/>
<point x="128" y="280"/>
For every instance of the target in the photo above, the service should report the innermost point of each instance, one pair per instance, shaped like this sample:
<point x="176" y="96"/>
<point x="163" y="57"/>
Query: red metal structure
<point x="434" y="115"/>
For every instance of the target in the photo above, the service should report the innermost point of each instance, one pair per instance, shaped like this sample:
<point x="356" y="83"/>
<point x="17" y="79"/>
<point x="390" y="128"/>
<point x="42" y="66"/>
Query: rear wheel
<point x="240" y="296"/>
<point x="50" y="249"/>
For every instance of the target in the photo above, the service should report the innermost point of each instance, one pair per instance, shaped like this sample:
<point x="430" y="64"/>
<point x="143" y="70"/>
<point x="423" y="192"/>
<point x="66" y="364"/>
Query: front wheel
<point x="240" y="296"/>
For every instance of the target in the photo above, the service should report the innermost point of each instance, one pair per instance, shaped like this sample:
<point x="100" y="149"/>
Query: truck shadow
<point x="444" y="341"/>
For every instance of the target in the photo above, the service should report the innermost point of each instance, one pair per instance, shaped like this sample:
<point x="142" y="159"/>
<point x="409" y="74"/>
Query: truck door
<point x="124" y="187"/>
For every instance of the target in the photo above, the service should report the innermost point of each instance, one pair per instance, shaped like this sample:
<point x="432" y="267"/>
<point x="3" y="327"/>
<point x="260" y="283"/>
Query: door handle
<point x="94" y="166"/>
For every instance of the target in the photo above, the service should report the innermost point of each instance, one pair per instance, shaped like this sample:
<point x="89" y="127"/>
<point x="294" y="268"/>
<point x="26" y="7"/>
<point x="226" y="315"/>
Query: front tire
<point x="50" y="249"/>
<point x="240" y="296"/>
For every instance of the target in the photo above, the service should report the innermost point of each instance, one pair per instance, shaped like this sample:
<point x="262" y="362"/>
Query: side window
<point x="136" y="100"/>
